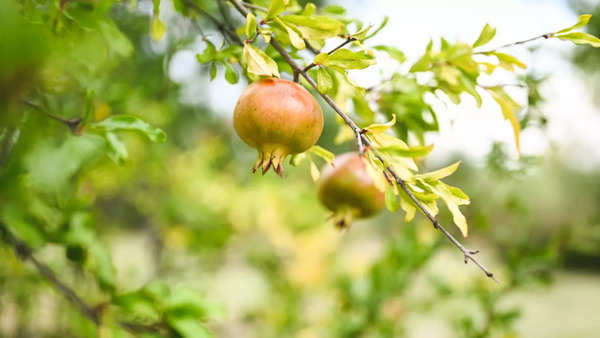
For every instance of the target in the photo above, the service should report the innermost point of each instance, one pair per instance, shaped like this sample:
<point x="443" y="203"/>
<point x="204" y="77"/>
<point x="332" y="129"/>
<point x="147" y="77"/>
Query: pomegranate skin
<point x="278" y="118"/>
<point x="348" y="190"/>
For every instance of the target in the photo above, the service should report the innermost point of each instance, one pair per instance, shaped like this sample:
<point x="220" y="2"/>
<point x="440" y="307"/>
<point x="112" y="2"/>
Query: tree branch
<point x="468" y="254"/>
<point x="347" y="41"/>
<point x="73" y="123"/>
<point x="220" y="26"/>
<point x="512" y="44"/>
<point x="25" y="253"/>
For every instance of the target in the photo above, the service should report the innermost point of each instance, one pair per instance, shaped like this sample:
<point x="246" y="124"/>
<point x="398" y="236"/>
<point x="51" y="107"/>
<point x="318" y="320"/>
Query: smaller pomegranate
<point x="348" y="190"/>
<point x="277" y="117"/>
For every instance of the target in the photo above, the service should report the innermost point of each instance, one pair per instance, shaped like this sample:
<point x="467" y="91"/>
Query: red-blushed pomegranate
<point x="347" y="189"/>
<point x="277" y="117"/>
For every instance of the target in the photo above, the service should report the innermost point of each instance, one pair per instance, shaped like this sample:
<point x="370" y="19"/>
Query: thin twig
<point x="25" y="253"/>
<point x="512" y="44"/>
<point x="347" y="41"/>
<point x="220" y="26"/>
<point x="468" y="254"/>
<point x="73" y="123"/>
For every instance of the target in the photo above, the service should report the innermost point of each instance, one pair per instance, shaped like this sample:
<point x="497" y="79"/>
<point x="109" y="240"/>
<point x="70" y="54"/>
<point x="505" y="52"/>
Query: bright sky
<point x="574" y="121"/>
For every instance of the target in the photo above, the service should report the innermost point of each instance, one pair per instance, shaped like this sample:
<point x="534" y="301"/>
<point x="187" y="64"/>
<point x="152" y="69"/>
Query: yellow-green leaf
<point x="157" y="29"/>
<point x="322" y="153"/>
<point x="347" y="59"/>
<point x="378" y="179"/>
<point x="294" y="36"/>
<point x="508" y="61"/>
<point x="581" y="39"/>
<point x="324" y="80"/>
<point x="440" y="173"/>
<point x="258" y="62"/>
<point x="316" y="27"/>
<point x="391" y="201"/>
<point x="486" y="35"/>
<point x="415" y="151"/>
<point x="276" y="7"/>
<point x="378" y="128"/>
<point x="314" y="171"/>
<point x="583" y="20"/>
<point x="250" y="26"/>
<point x="408" y="206"/>
<point x="509" y="110"/>
<point x="453" y="202"/>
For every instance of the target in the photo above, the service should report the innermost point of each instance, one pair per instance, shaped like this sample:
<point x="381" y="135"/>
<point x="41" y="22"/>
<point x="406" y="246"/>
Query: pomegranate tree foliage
<point x="453" y="69"/>
<point x="80" y="65"/>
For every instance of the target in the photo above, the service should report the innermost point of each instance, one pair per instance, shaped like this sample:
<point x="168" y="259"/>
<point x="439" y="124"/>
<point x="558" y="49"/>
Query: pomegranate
<point x="348" y="190"/>
<point x="277" y="117"/>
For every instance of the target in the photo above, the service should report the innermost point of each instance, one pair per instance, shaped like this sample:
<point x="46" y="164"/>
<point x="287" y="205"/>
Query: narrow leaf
<point x="581" y="39"/>
<point x="440" y="173"/>
<point x="391" y="200"/>
<point x="322" y="153"/>
<point x="127" y="122"/>
<point x="258" y="62"/>
<point x="583" y="20"/>
<point x="487" y="34"/>
<point x="415" y="151"/>
<point x="250" y="26"/>
<point x="378" y="128"/>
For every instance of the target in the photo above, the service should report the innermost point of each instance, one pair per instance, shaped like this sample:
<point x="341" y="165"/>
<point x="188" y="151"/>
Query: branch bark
<point x="25" y="253"/>
<point x="468" y="254"/>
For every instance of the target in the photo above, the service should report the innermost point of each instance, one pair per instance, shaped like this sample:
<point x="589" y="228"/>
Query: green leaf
<point x="208" y="54"/>
<point x="322" y="153"/>
<point x="453" y="203"/>
<point x="423" y="64"/>
<point x="295" y="38"/>
<point x="258" y="62"/>
<point x="580" y="39"/>
<point x="391" y="200"/>
<point x="188" y="327"/>
<point x="117" y="41"/>
<point x="379" y="128"/>
<point x="309" y="9"/>
<point x="127" y="122"/>
<point x="362" y="34"/>
<point x="440" y="173"/>
<point x="276" y="7"/>
<point x="118" y="151"/>
<point x="486" y="35"/>
<point x="393" y="52"/>
<point x="509" y="110"/>
<point x="231" y="75"/>
<point x="583" y="20"/>
<point x="334" y="9"/>
<point x="157" y="29"/>
<point x="213" y="71"/>
<point x="381" y="26"/>
<point x="347" y="59"/>
<point x="362" y="108"/>
<point x="317" y="27"/>
<point x="407" y="205"/>
<point x="324" y="80"/>
<point x="415" y="151"/>
<point x="470" y="86"/>
<point x="250" y="26"/>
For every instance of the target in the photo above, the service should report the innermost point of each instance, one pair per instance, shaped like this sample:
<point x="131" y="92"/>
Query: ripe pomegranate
<point x="348" y="190"/>
<point x="277" y="117"/>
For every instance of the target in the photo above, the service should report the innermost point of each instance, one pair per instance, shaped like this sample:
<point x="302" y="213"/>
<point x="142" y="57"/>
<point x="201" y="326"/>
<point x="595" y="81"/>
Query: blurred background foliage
<point x="179" y="236"/>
